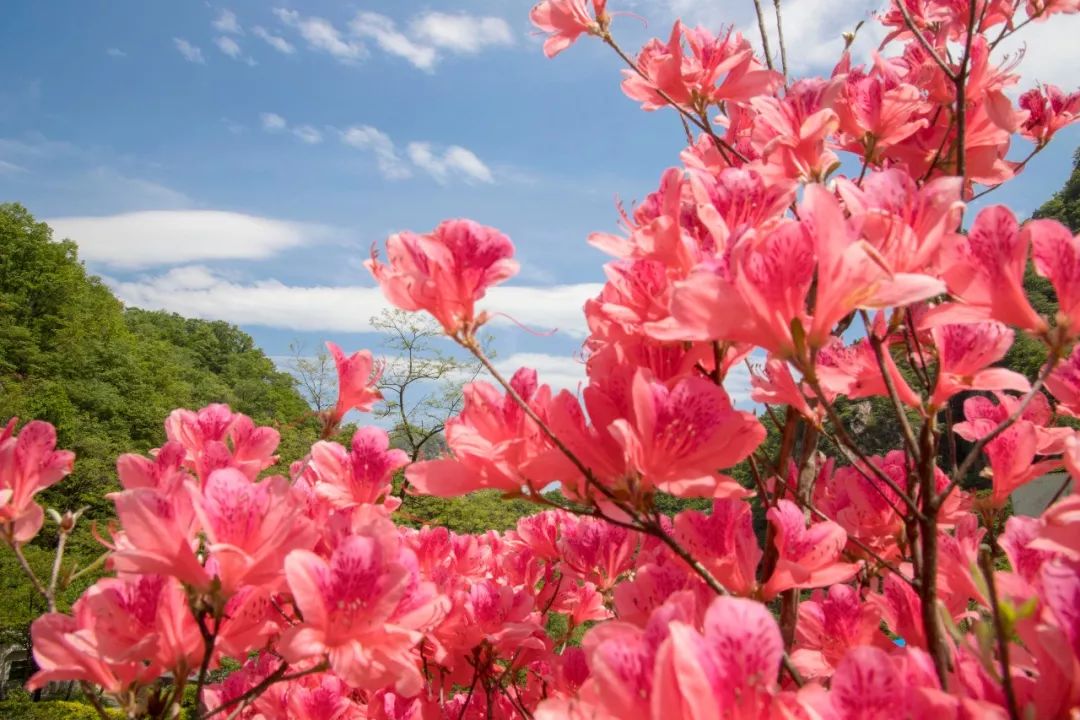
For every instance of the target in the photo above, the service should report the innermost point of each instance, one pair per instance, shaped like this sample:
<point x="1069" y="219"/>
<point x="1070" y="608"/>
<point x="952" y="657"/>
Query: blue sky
<point x="237" y="160"/>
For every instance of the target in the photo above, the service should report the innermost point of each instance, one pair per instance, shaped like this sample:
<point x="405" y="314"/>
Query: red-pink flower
<point x="361" y="475"/>
<point x="724" y="542"/>
<point x="1056" y="253"/>
<point x="566" y="20"/>
<point x="678" y="436"/>
<point x="985" y="269"/>
<point x="1064" y="384"/>
<point x="29" y="463"/>
<point x="358" y="609"/>
<point x="831" y="623"/>
<point x="807" y="557"/>
<point x="249" y="526"/>
<point x="966" y="352"/>
<point x="358" y="379"/>
<point x="1049" y="110"/>
<point x="904" y="223"/>
<point x="163" y="471"/>
<point x="493" y="442"/>
<point x="122" y="630"/>
<point x="446" y="272"/>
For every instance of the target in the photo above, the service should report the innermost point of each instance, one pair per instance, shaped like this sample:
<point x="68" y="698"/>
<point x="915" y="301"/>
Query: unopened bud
<point x="67" y="522"/>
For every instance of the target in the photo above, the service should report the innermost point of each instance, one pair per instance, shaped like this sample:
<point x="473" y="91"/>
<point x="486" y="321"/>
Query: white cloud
<point x="461" y="33"/>
<point x="384" y="32"/>
<point x="1051" y="53"/>
<point x="190" y="52"/>
<point x="456" y="160"/>
<point x="365" y="137"/>
<point x="168" y="237"/>
<point x="275" y="41"/>
<point x="199" y="292"/>
<point x="558" y="371"/>
<point x="116" y="53"/>
<point x="321" y="35"/>
<point x="228" y="46"/>
<point x="226" y="22"/>
<point x="272" y="122"/>
<point x="308" y="134"/>
<point x="8" y="168"/>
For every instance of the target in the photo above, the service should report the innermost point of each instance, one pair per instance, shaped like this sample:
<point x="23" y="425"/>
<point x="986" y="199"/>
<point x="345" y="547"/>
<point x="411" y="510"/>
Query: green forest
<point x="107" y="375"/>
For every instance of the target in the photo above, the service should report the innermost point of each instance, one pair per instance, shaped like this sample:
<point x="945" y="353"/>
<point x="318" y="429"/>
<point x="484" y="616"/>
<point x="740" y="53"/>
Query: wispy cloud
<point x="190" y="52"/>
<point x="171" y="237"/>
<point x="226" y="22"/>
<point x="9" y="168"/>
<point x="308" y="134"/>
<point x="365" y="137"/>
<point x="422" y="42"/>
<point x="272" y="122"/>
<point x="384" y="32"/>
<point x="461" y="33"/>
<point x="200" y="292"/>
<point x="275" y="41"/>
<point x="454" y="161"/>
<point x="322" y="36"/>
<point x="115" y="52"/>
<point x="228" y="46"/>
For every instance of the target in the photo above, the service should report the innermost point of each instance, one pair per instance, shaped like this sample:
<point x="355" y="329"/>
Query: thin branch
<point x="898" y="406"/>
<point x="780" y="38"/>
<point x="16" y="548"/>
<point x="764" y="33"/>
<point x="923" y="41"/>
<point x="719" y="141"/>
<point x="94" y="700"/>
<point x="58" y="562"/>
<point x="277" y="676"/>
<point x="986" y="564"/>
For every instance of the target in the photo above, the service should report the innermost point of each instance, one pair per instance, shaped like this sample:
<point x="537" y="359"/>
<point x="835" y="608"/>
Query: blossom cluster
<point x="816" y="229"/>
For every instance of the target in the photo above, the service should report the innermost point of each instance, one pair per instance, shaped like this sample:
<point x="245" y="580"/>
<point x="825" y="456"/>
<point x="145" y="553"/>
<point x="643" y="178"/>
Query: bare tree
<point x="421" y="383"/>
<point x="315" y="374"/>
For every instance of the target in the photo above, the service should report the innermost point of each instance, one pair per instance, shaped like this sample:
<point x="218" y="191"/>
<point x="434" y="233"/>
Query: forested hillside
<point x="106" y="376"/>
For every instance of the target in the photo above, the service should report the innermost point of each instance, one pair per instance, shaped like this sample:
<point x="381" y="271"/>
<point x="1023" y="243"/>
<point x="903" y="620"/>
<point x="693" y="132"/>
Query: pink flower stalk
<point x="29" y="463"/>
<point x="566" y="20"/>
<point x="358" y="378"/>
<point x="446" y="272"/>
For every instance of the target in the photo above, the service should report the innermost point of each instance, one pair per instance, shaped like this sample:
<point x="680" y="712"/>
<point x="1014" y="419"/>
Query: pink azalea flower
<point x="163" y="471"/>
<point x="158" y="536"/>
<point x="596" y="550"/>
<point x="1064" y="384"/>
<point x="495" y="444"/>
<point x="985" y="269"/>
<point x="446" y="272"/>
<point x="361" y="475"/>
<point x="1056" y="253"/>
<point x="678" y="436"/>
<point x="121" y="631"/>
<point x="1049" y="110"/>
<point x="358" y="378"/>
<point x="29" y="463"/>
<point x="249" y="527"/>
<point x="965" y="354"/>
<point x="808" y="557"/>
<point x="566" y="20"/>
<point x="356" y="610"/>
<point x="724" y="542"/>
<point x="830" y="624"/>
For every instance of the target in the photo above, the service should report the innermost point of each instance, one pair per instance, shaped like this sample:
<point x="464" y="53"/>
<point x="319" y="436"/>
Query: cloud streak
<point x="170" y="237"/>
<point x="196" y="291"/>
